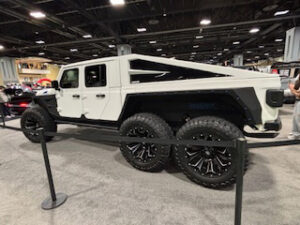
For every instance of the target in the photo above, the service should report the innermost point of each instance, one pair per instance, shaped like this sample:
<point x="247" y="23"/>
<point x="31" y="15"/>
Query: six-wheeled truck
<point x="154" y="97"/>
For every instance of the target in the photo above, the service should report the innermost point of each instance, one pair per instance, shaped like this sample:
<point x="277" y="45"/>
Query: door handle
<point x="76" y="96"/>
<point x="100" y="95"/>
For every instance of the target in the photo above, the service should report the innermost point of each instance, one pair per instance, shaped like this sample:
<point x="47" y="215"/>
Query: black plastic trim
<point x="275" y="98"/>
<point x="273" y="125"/>
<point x="245" y="98"/>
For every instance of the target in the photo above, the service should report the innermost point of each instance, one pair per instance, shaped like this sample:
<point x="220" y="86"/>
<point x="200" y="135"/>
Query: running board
<point x="87" y="125"/>
<point x="261" y="135"/>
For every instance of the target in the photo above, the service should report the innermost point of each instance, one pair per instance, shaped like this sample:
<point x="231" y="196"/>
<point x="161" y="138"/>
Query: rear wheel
<point x="35" y="118"/>
<point x="213" y="167"/>
<point x="143" y="156"/>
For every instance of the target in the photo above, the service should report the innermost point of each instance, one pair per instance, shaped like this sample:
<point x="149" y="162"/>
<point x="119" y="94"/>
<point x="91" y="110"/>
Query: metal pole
<point x="241" y="145"/>
<point x="60" y="198"/>
<point x="2" y="114"/>
<point x="47" y="164"/>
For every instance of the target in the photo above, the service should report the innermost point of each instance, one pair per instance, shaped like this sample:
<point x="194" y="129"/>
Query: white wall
<point x="8" y="70"/>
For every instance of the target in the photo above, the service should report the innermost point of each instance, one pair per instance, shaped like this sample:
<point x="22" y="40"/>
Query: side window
<point x="70" y="79"/>
<point x="95" y="76"/>
<point x="165" y="72"/>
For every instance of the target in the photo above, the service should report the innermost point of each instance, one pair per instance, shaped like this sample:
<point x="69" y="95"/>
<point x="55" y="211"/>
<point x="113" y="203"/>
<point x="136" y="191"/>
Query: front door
<point x="69" y="103"/>
<point x="96" y="91"/>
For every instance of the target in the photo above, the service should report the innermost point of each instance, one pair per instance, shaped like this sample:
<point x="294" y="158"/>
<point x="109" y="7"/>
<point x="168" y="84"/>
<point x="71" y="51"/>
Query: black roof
<point x="174" y="25"/>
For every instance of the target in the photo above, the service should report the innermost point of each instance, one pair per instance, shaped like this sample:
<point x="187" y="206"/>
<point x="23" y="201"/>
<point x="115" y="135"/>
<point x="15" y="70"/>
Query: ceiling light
<point x="220" y="53"/>
<point x="261" y="46"/>
<point x="279" y="50"/>
<point x="159" y="49"/>
<point x="163" y="55"/>
<point x="164" y="14"/>
<point x="196" y="46"/>
<point x="205" y="21"/>
<point x="1" y="47"/>
<point x="111" y="46"/>
<point x="199" y="37"/>
<point x="152" y="42"/>
<point x="257" y="57"/>
<point x="41" y="53"/>
<point x="254" y="30"/>
<point x="279" y="13"/>
<point x="141" y="29"/>
<point x="249" y="51"/>
<point x="193" y="53"/>
<point x="40" y="42"/>
<point x="236" y="42"/>
<point x="73" y="50"/>
<point x="248" y="59"/>
<point x="278" y="40"/>
<point x="266" y="54"/>
<point x="95" y="55"/>
<point x="87" y="36"/>
<point x="67" y="57"/>
<point x="226" y="49"/>
<point x="117" y="2"/>
<point x="37" y="15"/>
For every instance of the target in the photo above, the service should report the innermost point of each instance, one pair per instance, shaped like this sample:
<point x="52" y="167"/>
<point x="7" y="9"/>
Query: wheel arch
<point x="239" y="106"/>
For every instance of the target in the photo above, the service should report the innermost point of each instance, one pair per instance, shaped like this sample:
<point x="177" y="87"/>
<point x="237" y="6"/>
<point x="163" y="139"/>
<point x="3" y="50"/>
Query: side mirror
<point x="54" y="85"/>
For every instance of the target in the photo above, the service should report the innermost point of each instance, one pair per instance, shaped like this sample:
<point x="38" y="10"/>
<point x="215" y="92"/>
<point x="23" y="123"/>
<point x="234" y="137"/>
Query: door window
<point x="70" y="79"/>
<point x="95" y="76"/>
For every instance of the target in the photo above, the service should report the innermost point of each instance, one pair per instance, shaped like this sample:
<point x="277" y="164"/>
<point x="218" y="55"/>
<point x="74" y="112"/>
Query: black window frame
<point x="61" y="79"/>
<point x="172" y="72"/>
<point x="102" y="84"/>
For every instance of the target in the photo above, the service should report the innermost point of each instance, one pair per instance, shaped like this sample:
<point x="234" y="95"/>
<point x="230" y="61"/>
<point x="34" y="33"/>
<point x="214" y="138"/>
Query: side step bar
<point x="261" y="135"/>
<point x="111" y="128"/>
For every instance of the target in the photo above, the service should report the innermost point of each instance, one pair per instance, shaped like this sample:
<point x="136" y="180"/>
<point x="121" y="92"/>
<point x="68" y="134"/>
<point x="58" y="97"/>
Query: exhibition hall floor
<point x="104" y="189"/>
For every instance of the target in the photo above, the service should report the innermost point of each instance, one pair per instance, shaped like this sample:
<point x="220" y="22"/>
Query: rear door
<point x="69" y="102"/>
<point x="96" y="90"/>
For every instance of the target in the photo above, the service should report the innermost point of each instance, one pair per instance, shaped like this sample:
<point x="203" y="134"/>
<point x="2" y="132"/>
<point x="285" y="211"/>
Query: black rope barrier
<point x="240" y="144"/>
<point x="56" y="200"/>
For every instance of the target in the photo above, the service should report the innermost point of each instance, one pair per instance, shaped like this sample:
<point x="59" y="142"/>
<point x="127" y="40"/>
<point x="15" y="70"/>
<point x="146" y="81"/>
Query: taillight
<point x="23" y="105"/>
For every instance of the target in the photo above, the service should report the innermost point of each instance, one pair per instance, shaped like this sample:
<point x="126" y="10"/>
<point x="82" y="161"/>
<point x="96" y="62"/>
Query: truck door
<point x="69" y="102"/>
<point x="95" y="90"/>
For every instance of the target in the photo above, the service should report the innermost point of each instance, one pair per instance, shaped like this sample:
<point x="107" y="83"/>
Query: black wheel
<point x="213" y="167"/>
<point x="34" y="118"/>
<point x="147" y="157"/>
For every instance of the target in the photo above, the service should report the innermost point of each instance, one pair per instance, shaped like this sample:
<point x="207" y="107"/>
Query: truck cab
<point x="92" y="90"/>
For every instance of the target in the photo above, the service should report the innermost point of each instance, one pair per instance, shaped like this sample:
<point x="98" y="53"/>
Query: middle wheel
<point x="143" y="156"/>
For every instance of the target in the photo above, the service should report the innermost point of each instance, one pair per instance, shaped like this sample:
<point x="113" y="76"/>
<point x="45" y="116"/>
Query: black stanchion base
<point x="61" y="198"/>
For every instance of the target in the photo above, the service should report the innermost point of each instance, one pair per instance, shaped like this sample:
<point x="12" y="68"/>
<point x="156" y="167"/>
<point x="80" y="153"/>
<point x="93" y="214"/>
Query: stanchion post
<point x="2" y="115"/>
<point x="54" y="200"/>
<point x="241" y="145"/>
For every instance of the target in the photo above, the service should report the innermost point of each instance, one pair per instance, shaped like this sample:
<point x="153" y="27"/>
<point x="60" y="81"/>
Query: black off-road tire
<point x="210" y="126"/>
<point x="151" y="126"/>
<point x="42" y="118"/>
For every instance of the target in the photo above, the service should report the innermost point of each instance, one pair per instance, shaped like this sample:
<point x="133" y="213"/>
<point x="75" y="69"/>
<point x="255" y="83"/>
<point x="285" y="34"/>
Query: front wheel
<point x="35" y="118"/>
<point x="213" y="167"/>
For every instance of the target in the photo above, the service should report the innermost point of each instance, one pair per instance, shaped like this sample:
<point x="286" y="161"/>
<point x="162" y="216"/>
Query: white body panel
<point x="67" y="105"/>
<point x="119" y="86"/>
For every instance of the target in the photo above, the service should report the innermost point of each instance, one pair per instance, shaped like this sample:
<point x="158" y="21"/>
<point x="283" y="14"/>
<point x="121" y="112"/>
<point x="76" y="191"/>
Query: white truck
<point x="145" y="96"/>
